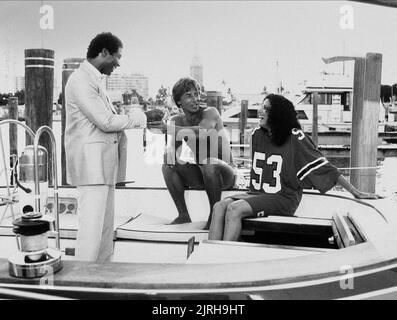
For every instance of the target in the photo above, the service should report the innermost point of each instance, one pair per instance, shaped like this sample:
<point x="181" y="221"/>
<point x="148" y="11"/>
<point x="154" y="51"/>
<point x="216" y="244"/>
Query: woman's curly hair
<point x="282" y="118"/>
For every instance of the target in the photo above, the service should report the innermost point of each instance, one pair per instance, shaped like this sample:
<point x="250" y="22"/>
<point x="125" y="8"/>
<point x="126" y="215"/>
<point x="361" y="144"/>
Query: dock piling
<point x="215" y="99"/>
<point x="13" y="130"/>
<point x="243" y="123"/>
<point x="365" y="115"/>
<point x="364" y="138"/>
<point x="315" y="119"/>
<point x="39" y="87"/>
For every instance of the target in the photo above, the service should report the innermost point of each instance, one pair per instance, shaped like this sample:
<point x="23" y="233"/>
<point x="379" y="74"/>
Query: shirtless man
<point x="202" y="130"/>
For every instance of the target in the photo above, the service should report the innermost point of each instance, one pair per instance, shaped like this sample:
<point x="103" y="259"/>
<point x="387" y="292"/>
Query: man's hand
<point x="154" y="115"/>
<point x="157" y="126"/>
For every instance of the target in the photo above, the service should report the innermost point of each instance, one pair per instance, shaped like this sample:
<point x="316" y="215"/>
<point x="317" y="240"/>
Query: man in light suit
<point x="95" y="146"/>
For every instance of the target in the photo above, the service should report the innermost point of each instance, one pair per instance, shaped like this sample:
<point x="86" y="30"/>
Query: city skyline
<point x="242" y="45"/>
<point x="127" y="81"/>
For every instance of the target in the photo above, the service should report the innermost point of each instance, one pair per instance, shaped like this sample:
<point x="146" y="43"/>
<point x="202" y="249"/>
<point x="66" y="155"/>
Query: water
<point x="386" y="175"/>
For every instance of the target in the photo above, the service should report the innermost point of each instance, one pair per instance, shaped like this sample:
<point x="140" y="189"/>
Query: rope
<point x="346" y="168"/>
<point x="358" y="168"/>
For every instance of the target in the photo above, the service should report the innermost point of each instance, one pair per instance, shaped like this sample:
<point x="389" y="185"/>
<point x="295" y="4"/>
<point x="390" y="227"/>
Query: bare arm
<point x="160" y="127"/>
<point x="172" y="126"/>
<point x="356" y="193"/>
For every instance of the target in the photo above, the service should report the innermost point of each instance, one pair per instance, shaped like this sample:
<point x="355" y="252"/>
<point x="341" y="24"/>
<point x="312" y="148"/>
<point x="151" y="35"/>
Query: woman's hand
<point x="356" y="193"/>
<point x="366" y="195"/>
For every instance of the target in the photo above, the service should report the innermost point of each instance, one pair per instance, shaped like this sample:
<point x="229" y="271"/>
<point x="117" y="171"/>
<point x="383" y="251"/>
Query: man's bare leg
<point x="177" y="177"/>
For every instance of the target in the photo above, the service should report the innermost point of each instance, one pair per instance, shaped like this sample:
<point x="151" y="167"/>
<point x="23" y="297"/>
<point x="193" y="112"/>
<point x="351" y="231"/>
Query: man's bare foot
<point x="180" y="220"/>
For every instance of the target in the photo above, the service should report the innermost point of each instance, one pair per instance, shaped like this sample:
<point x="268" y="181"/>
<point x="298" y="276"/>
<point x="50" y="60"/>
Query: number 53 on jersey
<point x="273" y="186"/>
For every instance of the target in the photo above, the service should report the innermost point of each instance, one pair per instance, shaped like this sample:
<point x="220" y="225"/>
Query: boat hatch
<point x="335" y="233"/>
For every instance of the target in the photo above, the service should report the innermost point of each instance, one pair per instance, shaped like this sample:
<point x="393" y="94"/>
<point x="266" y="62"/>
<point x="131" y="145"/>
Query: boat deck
<point x="169" y="268"/>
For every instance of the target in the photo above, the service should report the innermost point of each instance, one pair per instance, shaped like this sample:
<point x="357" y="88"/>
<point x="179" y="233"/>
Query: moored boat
<point x="335" y="247"/>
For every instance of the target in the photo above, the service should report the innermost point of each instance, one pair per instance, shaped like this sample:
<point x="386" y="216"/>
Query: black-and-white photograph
<point x="235" y="151"/>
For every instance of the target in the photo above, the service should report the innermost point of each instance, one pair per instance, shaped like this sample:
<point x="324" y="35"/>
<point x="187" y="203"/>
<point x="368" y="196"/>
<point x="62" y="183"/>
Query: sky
<point x="246" y="44"/>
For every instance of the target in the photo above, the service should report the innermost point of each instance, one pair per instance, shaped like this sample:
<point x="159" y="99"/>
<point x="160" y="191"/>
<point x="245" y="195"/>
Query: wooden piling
<point x="315" y="119"/>
<point x="219" y="103"/>
<point x="13" y="131"/>
<point x="365" y="115"/>
<point x="68" y="67"/>
<point x="39" y="86"/>
<point x="243" y="124"/>
<point x="214" y="99"/>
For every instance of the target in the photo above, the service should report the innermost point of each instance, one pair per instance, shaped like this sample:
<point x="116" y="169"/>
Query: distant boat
<point x="334" y="112"/>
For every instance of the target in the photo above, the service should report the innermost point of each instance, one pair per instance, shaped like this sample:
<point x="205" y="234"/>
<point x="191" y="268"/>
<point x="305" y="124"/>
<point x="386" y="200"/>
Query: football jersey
<point x="286" y="170"/>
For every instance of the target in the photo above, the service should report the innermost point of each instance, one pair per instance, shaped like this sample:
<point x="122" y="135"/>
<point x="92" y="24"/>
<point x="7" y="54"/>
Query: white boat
<point x="334" y="247"/>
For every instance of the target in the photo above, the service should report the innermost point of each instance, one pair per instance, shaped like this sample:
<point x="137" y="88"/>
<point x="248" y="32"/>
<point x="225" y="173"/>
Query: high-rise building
<point x="19" y="83"/>
<point x="125" y="82"/>
<point x="196" y="70"/>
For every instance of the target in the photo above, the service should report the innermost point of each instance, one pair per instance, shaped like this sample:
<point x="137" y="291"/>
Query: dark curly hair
<point x="104" y="40"/>
<point x="182" y="86"/>
<point x="282" y="118"/>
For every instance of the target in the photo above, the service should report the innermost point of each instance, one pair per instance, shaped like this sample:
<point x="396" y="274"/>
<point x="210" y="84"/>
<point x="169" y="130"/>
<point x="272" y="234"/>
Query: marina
<point x="335" y="246"/>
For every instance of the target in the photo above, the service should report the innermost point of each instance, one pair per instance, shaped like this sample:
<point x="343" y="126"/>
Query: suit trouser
<point x="95" y="212"/>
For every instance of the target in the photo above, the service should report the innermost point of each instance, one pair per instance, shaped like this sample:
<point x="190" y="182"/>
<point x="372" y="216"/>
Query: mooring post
<point x="214" y="99"/>
<point x="39" y="87"/>
<point x="243" y="124"/>
<point x="219" y="103"/>
<point x="365" y="117"/>
<point x="315" y="119"/>
<point x="13" y="131"/>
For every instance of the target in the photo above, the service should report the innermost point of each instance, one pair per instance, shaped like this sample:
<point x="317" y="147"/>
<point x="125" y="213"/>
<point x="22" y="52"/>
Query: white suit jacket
<point x="95" y="144"/>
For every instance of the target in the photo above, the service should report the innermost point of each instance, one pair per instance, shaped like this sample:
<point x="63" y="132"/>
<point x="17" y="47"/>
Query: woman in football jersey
<point x="284" y="162"/>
